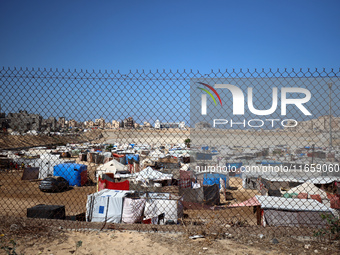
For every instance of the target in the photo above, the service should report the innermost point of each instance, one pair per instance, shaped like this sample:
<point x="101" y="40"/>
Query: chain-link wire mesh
<point x="171" y="150"/>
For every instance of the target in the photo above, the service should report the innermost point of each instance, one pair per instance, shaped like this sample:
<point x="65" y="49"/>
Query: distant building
<point x="49" y="124"/>
<point x="157" y="124"/>
<point x="166" y="125"/>
<point x="136" y="125"/>
<point x="61" y="122"/>
<point x="100" y="122"/>
<point x="3" y="122"/>
<point x="202" y="125"/>
<point x="89" y="124"/>
<point x="128" y="123"/>
<point x="72" y="123"/>
<point x="320" y="124"/>
<point x="23" y="121"/>
<point x="147" y="125"/>
<point x="115" y="124"/>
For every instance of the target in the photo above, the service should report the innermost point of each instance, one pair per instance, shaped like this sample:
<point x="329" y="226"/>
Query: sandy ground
<point x="128" y="242"/>
<point x="216" y="137"/>
<point x="26" y="141"/>
<point x="134" y="243"/>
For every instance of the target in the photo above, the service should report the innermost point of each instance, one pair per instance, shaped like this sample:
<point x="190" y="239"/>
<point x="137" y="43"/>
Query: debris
<point x="196" y="236"/>
<point x="274" y="241"/>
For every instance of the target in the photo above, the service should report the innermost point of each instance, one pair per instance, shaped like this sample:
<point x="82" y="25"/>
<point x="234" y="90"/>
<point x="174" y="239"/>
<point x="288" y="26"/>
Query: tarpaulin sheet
<point x="250" y="202"/>
<point x="172" y="209"/>
<point x="125" y="185"/>
<point x="133" y="210"/>
<point x="192" y="195"/>
<point x="211" y="195"/>
<point x="293" y="218"/>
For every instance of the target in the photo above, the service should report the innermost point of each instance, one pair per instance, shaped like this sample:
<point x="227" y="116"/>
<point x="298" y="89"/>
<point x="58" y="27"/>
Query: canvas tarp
<point x="105" y="184"/>
<point x="105" y="206"/>
<point x="30" y="173"/>
<point x="192" y="195"/>
<point x="292" y="204"/>
<point x="214" y="178"/>
<point x="172" y="209"/>
<point x="310" y="189"/>
<point x="150" y="174"/>
<point x="211" y="195"/>
<point x="250" y="202"/>
<point x="111" y="167"/>
<point x="133" y="210"/>
<point x="293" y="218"/>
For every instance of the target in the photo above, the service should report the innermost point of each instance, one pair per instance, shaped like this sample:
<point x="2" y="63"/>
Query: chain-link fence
<point x="171" y="150"/>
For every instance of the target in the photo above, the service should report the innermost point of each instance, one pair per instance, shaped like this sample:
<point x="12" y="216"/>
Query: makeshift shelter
<point x="192" y="195"/>
<point x="149" y="174"/>
<point x="280" y="211"/>
<point x="46" y="163"/>
<point x="105" y="206"/>
<point x="75" y="174"/>
<point x="160" y="205"/>
<point x="208" y="195"/>
<point x="214" y="178"/>
<point x="133" y="210"/>
<point x="110" y="167"/>
<point x="310" y="189"/>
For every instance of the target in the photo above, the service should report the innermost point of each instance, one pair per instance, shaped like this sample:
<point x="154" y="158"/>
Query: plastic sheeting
<point x="172" y="209"/>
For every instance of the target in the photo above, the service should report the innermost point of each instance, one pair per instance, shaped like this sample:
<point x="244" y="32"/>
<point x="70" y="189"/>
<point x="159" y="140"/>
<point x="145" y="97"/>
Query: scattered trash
<point x="307" y="246"/>
<point x="274" y="241"/>
<point x="196" y="236"/>
<point x="228" y="235"/>
<point x="261" y="236"/>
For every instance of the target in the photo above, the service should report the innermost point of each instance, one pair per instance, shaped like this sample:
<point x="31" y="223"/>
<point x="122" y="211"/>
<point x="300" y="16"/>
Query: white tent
<point x="324" y="179"/>
<point x="159" y="204"/>
<point x="310" y="189"/>
<point x="46" y="163"/>
<point x="105" y="205"/>
<point x="280" y="211"/>
<point x="111" y="167"/>
<point x="150" y="174"/>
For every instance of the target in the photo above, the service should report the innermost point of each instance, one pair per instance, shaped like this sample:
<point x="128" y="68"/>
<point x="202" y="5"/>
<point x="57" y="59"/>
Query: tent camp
<point x="105" y="206"/>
